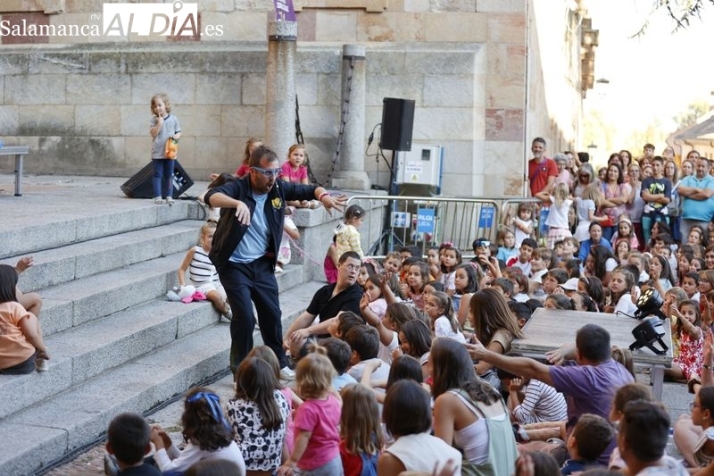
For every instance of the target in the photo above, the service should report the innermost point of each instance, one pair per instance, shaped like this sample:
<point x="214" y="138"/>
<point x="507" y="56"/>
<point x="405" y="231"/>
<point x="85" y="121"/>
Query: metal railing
<point x="429" y="221"/>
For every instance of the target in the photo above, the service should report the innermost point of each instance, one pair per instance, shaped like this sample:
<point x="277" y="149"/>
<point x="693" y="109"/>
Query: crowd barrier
<point x="429" y="221"/>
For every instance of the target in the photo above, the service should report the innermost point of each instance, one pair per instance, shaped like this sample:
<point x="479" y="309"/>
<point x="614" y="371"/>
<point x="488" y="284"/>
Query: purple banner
<point x="284" y="10"/>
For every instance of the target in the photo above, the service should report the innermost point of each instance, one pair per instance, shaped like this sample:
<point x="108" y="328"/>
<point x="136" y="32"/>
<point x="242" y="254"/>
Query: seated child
<point x="201" y="272"/>
<point x="127" y="444"/>
<point x="364" y="342"/>
<point x="523" y="261"/>
<point x="339" y="353"/>
<point x="590" y="438"/>
<point x="506" y="287"/>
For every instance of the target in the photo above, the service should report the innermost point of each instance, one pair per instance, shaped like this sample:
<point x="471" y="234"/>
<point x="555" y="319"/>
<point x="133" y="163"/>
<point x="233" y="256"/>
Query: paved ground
<point x="46" y="197"/>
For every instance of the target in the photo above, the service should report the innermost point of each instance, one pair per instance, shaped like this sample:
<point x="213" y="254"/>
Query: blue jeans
<point x="163" y="180"/>
<point x="648" y="221"/>
<point x="245" y="284"/>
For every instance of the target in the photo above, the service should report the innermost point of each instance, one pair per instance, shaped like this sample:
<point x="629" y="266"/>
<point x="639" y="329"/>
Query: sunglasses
<point x="267" y="172"/>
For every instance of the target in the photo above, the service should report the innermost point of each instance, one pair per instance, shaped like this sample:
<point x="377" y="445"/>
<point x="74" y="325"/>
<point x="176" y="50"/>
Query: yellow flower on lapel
<point x="277" y="203"/>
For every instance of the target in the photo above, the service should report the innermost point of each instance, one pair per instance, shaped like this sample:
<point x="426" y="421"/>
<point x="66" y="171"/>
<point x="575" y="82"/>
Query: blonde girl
<point x="347" y="237"/>
<point x="586" y="205"/>
<point x="361" y="437"/>
<point x="557" y="221"/>
<point x="393" y="263"/>
<point x="437" y="306"/>
<point x="164" y="126"/>
<point x="506" y="241"/>
<point x="294" y="169"/>
<point x="521" y="222"/>
<point x="688" y="365"/>
<point x="201" y="272"/>
<point x="450" y="258"/>
<point x="317" y="440"/>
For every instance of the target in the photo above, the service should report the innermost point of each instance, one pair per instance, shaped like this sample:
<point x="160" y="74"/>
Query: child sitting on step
<point x="202" y="274"/>
<point x="23" y="349"/>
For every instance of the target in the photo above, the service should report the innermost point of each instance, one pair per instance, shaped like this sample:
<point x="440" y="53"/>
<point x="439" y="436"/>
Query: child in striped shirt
<point x="201" y="272"/>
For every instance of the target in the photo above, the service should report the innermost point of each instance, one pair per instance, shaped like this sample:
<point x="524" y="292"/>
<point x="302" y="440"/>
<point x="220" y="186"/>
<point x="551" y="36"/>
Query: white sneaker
<point x="42" y="365"/>
<point x="170" y="201"/>
<point x="279" y="270"/>
<point x="229" y="313"/>
<point x="286" y="373"/>
<point x="159" y="201"/>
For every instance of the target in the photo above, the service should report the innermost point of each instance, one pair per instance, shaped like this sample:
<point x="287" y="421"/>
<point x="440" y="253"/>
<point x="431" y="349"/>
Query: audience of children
<point x="423" y="337"/>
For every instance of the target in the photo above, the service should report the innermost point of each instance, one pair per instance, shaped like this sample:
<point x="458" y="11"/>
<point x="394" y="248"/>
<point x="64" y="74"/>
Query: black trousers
<point x="246" y="284"/>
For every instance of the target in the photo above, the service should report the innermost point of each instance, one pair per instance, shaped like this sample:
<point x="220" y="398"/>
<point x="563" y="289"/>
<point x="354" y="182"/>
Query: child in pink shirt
<point x="317" y="440"/>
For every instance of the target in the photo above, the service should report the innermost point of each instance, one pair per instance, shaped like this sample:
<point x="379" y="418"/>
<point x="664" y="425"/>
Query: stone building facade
<point x="487" y="76"/>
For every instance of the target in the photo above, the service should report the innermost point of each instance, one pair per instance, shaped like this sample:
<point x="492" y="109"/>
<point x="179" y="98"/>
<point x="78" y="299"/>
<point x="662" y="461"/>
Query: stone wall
<point x="83" y="108"/>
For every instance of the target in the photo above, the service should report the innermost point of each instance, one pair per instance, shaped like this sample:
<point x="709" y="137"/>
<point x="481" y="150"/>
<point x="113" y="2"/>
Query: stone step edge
<point x="64" y="433"/>
<point x="79" y="260"/>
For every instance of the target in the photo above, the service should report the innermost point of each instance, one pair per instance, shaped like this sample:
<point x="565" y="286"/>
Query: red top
<point x="538" y="173"/>
<point x="351" y="463"/>
<point x="242" y="170"/>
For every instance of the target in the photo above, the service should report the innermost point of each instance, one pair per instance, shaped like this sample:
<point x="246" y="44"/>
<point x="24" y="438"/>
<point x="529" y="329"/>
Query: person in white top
<point x="207" y="433"/>
<point x="407" y="417"/>
<point x="624" y="292"/>
<point x="557" y="221"/>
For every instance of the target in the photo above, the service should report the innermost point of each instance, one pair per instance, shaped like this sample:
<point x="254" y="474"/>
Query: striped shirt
<point x="201" y="269"/>
<point x="541" y="403"/>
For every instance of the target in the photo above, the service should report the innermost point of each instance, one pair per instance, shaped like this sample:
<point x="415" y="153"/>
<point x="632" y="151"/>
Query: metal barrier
<point x="429" y="221"/>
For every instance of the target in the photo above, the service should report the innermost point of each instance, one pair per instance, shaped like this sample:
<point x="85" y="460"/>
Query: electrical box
<point x="421" y="165"/>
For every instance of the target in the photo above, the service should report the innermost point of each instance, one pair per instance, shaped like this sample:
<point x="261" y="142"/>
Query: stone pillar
<point x="280" y="87"/>
<point x="350" y="174"/>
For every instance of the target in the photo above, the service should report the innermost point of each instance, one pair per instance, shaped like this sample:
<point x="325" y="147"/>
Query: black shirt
<point x="326" y="306"/>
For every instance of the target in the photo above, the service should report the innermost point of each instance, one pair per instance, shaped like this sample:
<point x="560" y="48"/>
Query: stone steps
<point x="172" y="354"/>
<point x="79" y="260"/>
<point x="102" y="267"/>
<point x="23" y="233"/>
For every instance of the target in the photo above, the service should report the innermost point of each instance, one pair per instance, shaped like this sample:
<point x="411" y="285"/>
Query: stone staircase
<point x="116" y="344"/>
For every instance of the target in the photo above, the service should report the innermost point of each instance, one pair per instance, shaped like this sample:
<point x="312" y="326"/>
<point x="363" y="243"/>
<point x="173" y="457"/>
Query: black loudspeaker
<point x="397" y="124"/>
<point x="140" y="186"/>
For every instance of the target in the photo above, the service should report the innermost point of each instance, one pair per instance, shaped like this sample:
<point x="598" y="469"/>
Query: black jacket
<point x="229" y="232"/>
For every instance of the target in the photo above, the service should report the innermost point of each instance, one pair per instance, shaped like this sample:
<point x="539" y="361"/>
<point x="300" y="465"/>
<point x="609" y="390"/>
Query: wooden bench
<point x="19" y="151"/>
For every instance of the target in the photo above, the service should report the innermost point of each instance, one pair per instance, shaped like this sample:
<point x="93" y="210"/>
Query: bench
<point x="19" y="152"/>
